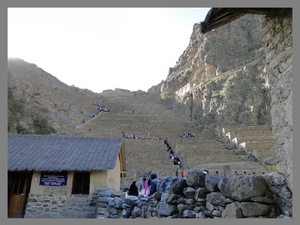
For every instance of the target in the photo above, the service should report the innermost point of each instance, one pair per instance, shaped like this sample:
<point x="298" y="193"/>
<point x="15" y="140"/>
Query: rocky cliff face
<point x="221" y="76"/>
<point x="240" y="73"/>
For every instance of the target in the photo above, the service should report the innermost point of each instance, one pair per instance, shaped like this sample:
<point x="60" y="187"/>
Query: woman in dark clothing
<point x="149" y="184"/>
<point x="133" y="190"/>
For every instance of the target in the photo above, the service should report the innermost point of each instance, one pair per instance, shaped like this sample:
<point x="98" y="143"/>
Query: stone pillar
<point x="226" y="170"/>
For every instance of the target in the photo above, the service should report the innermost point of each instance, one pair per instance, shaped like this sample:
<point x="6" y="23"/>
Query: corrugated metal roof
<point x="58" y="153"/>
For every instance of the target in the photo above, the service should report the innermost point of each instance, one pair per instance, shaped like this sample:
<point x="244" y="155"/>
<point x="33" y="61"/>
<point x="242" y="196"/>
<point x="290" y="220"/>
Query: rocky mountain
<point x="221" y="76"/>
<point x="40" y="93"/>
<point x="220" y="79"/>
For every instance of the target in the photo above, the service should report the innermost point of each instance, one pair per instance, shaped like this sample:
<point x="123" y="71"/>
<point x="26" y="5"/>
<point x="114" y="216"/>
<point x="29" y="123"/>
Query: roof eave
<point x="217" y="17"/>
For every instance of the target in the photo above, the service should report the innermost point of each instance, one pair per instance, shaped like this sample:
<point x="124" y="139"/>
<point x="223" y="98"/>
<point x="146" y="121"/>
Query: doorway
<point x="18" y="189"/>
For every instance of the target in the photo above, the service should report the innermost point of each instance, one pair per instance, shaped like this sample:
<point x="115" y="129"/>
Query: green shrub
<point x="42" y="126"/>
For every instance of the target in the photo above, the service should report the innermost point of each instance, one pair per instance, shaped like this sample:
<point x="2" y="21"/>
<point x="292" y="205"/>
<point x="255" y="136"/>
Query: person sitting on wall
<point x="133" y="189"/>
<point x="154" y="182"/>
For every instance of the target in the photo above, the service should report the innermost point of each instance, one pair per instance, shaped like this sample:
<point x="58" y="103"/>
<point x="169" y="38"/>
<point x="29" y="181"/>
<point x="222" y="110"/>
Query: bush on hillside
<point x="17" y="115"/>
<point x="42" y="126"/>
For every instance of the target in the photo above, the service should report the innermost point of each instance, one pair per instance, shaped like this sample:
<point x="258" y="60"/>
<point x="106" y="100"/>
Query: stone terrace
<point x="258" y="139"/>
<point x="145" y="116"/>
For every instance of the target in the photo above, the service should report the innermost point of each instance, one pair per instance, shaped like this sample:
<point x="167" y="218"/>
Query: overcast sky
<point x="102" y="48"/>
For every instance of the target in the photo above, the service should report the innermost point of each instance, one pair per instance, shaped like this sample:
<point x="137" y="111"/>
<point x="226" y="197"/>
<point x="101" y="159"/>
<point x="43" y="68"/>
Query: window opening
<point x="81" y="183"/>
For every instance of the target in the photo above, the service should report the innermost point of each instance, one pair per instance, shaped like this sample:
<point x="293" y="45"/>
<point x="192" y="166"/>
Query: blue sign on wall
<point x="54" y="178"/>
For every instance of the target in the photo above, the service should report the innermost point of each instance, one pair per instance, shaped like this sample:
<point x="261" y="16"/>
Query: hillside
<point x="146" y="122"/>
<point x="203" y="91"/>
<point x="41" y="92"/>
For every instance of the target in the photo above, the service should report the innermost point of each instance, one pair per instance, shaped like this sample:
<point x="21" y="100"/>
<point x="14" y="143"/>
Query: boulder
<point x="243" y="187"/>
<point x="254" y="209"/>
<point x="181" y="208"/>
<point x="201" y="193"/>
<point x="165" y="183"/>
<point x="164" y="197"/>
<point x="277" y="184"/>
<point x="126" y="213"/>
<point x="211" y="182"/>
<point x="112" y="210"/>
<point x="216" y="198"/>
<point x="189" y="192"/>
<point x="189" y="214"/>
<point x="136" y="212"/>
<point x="157" y="196"/>
<point x="232" y="210"/>
<point x="178" y="186"/>
<point x="195" y="178"/>
<point x="131" y="200"/>
<point x="165" y="210"/>
<point x="172" y="199"/>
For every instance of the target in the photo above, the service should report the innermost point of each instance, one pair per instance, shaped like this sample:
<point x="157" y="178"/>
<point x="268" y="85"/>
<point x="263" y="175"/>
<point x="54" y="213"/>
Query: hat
<point x="153" y="176"/>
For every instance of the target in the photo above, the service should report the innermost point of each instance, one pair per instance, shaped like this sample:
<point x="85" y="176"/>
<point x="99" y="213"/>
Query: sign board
<point x="54" y="178"/>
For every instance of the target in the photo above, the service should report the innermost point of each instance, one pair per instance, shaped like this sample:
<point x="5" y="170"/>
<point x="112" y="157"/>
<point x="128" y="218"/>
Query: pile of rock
<point x="199" y="195"/>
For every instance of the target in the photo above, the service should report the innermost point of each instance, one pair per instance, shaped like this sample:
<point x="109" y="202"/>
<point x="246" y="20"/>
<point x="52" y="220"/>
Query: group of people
<point x="147" y="187"/>
<point x="101" y="108"/>
<point x="139" y="136"/>
<point x="174" y="158"/>
<point x="188" y="135"/>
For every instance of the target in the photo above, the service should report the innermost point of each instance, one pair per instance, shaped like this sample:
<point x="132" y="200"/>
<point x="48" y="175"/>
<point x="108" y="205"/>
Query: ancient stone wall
<point x="279" y="53"/>
<point x="199" y="195"/>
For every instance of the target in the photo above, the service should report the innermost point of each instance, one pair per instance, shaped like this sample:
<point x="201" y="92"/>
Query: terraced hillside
<point x="145" y="117"/>
<point x="257" y="140"/>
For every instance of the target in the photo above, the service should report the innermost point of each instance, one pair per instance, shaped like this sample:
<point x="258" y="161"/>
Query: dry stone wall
<point x="199" y="195"/>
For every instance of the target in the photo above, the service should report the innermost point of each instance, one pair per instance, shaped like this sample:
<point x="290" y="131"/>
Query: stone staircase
<point x="146" y="117"/>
